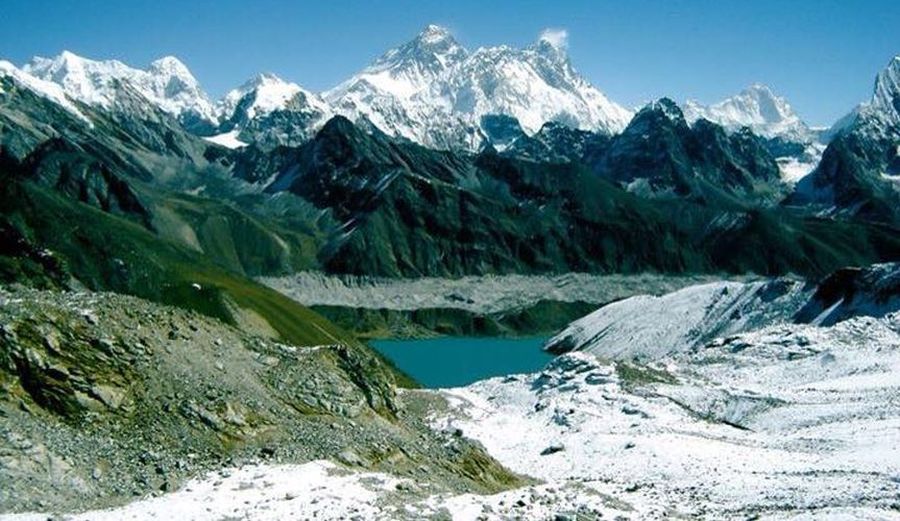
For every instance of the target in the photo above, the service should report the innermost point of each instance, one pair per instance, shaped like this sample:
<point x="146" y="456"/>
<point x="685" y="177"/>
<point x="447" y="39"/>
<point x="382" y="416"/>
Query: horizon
<point x="821" y="80"/>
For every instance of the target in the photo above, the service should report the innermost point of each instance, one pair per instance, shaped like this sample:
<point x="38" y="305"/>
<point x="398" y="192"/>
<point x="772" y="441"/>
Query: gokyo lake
<point x="456" y="361"/>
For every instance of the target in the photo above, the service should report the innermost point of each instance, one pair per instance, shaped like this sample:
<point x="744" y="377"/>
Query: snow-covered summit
<point x="881" y="114"/>
<point x="167" y="83"/>
<point x="887" y="91"/>
<point x="263" y="94"/>
<point x="433" y="91"/>
<point x="758" y="108"/>
<point x="270" y="111"/>
<point x="43" y="88"/>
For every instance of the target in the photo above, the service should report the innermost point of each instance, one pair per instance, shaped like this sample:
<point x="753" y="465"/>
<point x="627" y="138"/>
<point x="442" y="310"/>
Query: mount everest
<point x="430" y="90"/>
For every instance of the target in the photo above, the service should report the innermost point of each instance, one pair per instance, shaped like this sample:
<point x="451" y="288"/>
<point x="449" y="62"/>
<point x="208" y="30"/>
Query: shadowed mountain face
<point x="859" y="174"/>
<point x="406" y="210"/>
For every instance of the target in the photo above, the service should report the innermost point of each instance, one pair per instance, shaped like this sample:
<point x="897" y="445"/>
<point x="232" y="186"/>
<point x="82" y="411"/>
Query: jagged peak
<point x="757" y="107"/>
<point x="554" y="38"/>
<point x="665" y="106"/>
<point x="433" y="47"/>
<point x="887" y="85"/>
<point x="170" y="64"/>
<point x="264" y="79"/>
<point x="433" y="33"/>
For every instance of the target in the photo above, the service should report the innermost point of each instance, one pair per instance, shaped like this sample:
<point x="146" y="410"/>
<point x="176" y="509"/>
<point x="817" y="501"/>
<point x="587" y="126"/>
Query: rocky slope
<point x="409" y="211"/>
<point x="780" y="421"/>
<point x="104" y="397"/>
<point x="652" y="327"/>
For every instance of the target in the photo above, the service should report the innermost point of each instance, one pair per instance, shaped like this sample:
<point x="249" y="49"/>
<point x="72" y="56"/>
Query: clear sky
<point x="820" y="54"/>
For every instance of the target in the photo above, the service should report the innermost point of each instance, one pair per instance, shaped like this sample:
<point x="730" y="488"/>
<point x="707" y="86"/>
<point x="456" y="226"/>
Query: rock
<point x="111" y="396"/>
<point x="90" y="317"/>
<point x="349" y="457"/>
<point x="51" y="342"/>
<point x="552" y="449"/>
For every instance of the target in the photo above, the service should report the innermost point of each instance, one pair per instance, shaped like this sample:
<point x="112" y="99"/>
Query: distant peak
<point x="168" y="63"/>
<point x="663" y="106"/>
<point x="434" y="33"/>
<point x="261" y="80"/>
<point x="555" y="37"/>
<point x="760" y="89"/>
<point x="69" y="55"/>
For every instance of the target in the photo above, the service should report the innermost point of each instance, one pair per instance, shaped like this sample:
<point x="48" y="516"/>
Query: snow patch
<point x="227" y="140"/>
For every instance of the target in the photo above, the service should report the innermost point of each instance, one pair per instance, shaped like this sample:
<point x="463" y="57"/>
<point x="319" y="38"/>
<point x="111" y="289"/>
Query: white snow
<point x="45" y="89"/>
<point x="166" y="83"/>
<point x="267" y="93"/>
<point x="819" y="427"/>
<point x="227" y="139"/>
<point x="270" y="93"/>
<point x="434" y="92"/>
<point x="650" y="326"/>
<point x="319" y="490"/>
<point x="757" y="107"/>
<point x="795" y="168"/>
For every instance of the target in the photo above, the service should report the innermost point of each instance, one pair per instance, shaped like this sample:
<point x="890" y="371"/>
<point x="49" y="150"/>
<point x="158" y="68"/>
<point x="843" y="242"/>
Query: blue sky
<point x="822" y="55"/>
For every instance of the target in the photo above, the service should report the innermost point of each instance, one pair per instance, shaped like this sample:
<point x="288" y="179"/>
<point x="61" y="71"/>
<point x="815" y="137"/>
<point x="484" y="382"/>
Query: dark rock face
<point x="408" y="211"/>
<point x="660" y="154"/>
<point x="80" y="175"/>
<point x="850" y="181"/>
<point x="871" y="291"/>
<point x="854" y="177"/>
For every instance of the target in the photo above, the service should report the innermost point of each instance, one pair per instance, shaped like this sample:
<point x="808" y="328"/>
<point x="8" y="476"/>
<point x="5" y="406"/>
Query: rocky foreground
<point x="792" y="415"/>
<point x="106" y="398"/>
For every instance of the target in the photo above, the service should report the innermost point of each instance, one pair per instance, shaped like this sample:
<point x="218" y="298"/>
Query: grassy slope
<point x="106" y="252"/>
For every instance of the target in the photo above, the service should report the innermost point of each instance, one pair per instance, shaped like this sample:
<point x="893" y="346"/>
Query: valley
<point x="459" y="284"/>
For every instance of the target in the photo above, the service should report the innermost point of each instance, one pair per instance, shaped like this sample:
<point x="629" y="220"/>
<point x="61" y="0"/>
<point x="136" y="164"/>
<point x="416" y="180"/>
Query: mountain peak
<point x="557" y="39"/>
<point x="756" y="107"/>
<point x="166" y="83"/>
<point x="666" y="107"/>
<point x="433" y="48"/>
<point x="263" y="79"/>
<point x="433" y="34"/>
<point x="887" y="88"/>
<point x="170" y="64"/>
<point x="759" y="89"/>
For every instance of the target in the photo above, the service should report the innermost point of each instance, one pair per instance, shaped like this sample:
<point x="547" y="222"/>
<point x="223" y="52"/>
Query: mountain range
<point x="430" y="90"/>
<point x="436" y="160"/>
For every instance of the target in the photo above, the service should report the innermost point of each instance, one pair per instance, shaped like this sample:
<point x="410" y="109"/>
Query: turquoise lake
<point x="456" y="361"/>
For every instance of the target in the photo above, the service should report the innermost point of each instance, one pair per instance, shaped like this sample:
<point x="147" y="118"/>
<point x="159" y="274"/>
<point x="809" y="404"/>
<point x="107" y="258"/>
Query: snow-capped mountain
<point x="263" y="95"/>
<point x="860" y="170"/>
<point x="757" y="107"/>
<point x="882" y="112"/>
<point x="797" y="147"/>
<point x="432" y="91"/>
<point x="43" y="88"/>
<point x="270" y="111"/>
<point x="167" y="83"/>
<point x="535" y="85"/>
